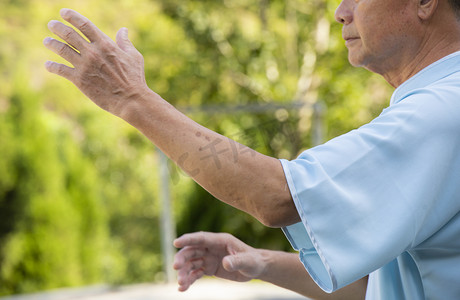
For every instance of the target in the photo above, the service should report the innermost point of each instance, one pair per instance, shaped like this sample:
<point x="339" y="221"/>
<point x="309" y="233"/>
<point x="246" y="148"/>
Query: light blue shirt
<point x="384" y="199"/>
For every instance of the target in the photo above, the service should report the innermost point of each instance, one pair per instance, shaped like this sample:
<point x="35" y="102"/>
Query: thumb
<point x="237" y="262"/>
<point x="123" y="41"/>
<point x="231" y="263"/>
<point x="248" y="264"/>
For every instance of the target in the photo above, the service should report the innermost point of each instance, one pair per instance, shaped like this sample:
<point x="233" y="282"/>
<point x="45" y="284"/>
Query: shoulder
<point x="432" y="107"/>
<point x="432" y="93"/>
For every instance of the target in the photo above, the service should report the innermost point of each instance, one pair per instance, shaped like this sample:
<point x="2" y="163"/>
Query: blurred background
<point x="80" y="190"/>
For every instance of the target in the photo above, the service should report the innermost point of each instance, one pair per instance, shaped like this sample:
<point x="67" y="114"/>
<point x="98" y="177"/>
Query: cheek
<point x="379" y="32"/>
<point x="375" y="21"/>
<point x="371" y="34"/>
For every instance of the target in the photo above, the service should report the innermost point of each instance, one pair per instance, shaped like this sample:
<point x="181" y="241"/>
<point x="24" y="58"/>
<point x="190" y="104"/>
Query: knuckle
<point x="196" y="253"/>
<point x="138" y="54"/>
<point x="226" y="235"/>
<point x="107" y="46"/>
<point x="140" y="58"/>
<point x="61" y="69"/>
<point x="84" y="25"/>
<point x="61" y="49"/>
<point x="201" y="236"/>
<point x="91" y="55"/>
<point x="57" y="68"/>
<point x="67" y="33"/>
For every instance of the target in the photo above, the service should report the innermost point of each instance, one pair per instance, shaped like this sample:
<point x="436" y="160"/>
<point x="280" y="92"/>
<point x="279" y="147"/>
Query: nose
<point x="344" y="12"/>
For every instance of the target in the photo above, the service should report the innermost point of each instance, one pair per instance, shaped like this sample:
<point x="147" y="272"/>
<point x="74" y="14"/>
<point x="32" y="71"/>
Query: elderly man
<point x="374" y="213"/>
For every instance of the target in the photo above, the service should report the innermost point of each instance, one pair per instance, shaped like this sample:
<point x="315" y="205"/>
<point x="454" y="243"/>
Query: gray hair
<point x="455" y="4"/>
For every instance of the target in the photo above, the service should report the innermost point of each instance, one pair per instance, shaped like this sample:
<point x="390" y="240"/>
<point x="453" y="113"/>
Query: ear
<point x="426" y="8"/>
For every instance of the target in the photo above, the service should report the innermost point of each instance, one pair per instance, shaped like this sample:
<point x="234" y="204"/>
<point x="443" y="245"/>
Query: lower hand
<point x="215" y="254"/>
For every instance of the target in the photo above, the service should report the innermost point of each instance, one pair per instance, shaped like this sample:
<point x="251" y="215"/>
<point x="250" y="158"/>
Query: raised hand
<point x="216" y="254"/>
<point x="110" y="74"/>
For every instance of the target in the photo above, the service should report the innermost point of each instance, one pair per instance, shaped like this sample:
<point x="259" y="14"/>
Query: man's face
<point x="378" y="33"/>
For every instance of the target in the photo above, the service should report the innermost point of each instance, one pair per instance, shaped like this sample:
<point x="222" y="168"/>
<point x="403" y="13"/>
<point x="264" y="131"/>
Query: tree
<point x="78" y="188"/>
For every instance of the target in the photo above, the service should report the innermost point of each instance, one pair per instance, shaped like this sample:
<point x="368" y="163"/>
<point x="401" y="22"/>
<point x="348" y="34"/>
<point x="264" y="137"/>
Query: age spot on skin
<point x="198" y="134"/>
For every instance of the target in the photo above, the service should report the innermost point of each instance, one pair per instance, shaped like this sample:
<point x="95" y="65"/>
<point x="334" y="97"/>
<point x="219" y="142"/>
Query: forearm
<point x="233" y="173"/>
<point x="112" y="75"/>
<point x="285" y="270"/>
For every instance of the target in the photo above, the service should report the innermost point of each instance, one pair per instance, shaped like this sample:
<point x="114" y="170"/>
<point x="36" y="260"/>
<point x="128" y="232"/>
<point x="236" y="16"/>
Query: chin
<point x="360" y="62"/>
<point x="354" y="62"/>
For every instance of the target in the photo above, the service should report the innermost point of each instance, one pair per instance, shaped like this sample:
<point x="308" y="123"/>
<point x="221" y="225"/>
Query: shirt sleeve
<point x="364" y="197"/>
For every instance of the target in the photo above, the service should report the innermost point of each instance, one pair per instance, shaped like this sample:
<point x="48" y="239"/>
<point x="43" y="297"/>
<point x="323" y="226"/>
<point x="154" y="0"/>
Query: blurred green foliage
<point x="79" y="188"/>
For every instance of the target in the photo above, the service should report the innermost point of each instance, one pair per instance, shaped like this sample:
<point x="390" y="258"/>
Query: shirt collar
<point x="437" y="70"/>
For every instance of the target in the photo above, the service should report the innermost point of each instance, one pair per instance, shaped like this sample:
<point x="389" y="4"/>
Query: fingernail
<point x="47" y="40"/>
<point x="52" y="23"/>
<point x="230" y="264"/>
<point x="64" y="12"/>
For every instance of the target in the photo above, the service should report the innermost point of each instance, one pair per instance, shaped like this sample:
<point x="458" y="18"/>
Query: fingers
<point x="60" y="69"/>
<point x="72" y="38"/>
<point x="187" y="254"/>
<point x="202" y="254"/>
<point x="61" y="49"/>
<point x="68" y="34"/>
<point x="185" y="240"/>
<point x="186" y="280"/>
<point x="66" y="52"/>
<point x="190" y="265"/>
<point x="83" y="24"/>
<point x="123" y="41"/>
<point x="207" y="239"/>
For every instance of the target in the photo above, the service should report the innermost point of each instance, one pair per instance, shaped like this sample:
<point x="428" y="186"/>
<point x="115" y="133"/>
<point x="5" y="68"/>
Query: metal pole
<point x="318" y="134"/>
<point x="167" y="226"/>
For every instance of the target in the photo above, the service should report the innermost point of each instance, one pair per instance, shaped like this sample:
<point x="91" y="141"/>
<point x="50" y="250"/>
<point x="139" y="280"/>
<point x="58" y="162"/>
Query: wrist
<point x="132" y="109"/>
<point x="267" y="260"/>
